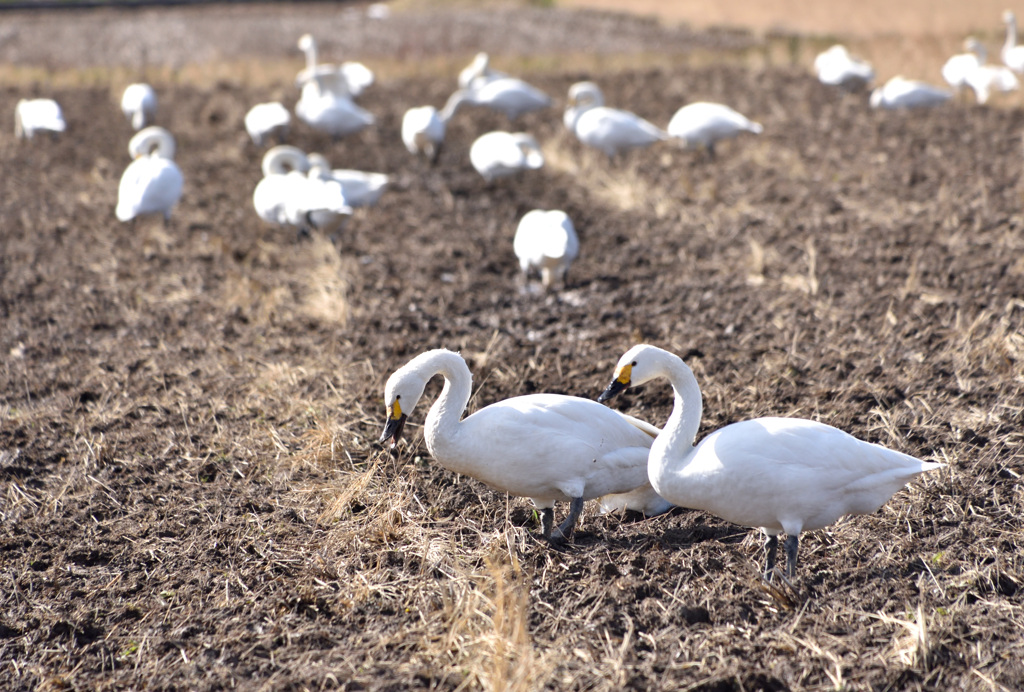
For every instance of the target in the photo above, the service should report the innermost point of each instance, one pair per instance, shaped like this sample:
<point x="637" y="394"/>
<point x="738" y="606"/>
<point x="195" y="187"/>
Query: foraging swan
<point x="324" y="110"/>
<point x="359" y="189"/>
<point x="423" y="131"/>
<point x="349" y="79"/>
<point x="507" y="95"/>
<point x="152" y="183"/>
<point x="969" y="70"/>
<point x="498" y="154"/>
<point x="547" y="447"/>
<point x="546" y="241"/>
<point x="778" y="474"/>
<point x="608" y="129"/>
<point x="37" y="115"/>
<point x="287" y="196"/>
<point x="900" y="92"/>
<point x="479" y="72"/>
<point x="836" y="67"/>
<point x="1012" y="54"/>
<point x="138" y="103"/>
<point x="265" y="120"/>
<point x="703" y="124"/>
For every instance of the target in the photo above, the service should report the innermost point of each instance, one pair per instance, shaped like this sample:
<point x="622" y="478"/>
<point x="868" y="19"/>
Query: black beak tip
<point x="611" y="390"/>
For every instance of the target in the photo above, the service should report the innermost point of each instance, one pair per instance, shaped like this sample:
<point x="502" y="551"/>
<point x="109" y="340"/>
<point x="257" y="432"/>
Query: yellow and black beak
<point x="394" y="425"/>
<point x="620" y="382"/>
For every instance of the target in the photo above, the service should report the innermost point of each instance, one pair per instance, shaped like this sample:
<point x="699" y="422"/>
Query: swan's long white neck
<point x="150" y="140"/>
<point x="442" y="425"/>
<point x="1011" y="32"/>
<point x="310" y="49"/>
<point x="675" y="443"/>
<point x="454" y="101"/>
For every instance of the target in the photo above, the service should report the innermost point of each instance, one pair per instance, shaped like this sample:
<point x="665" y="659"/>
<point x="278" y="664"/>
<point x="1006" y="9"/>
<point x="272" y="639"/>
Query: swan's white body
<point x="37" y="115"/>
<point x="266" y="120"/>
<point x="324" y="110"/>
<point x="836" y="67"/>
<point x="900" y="92"/>
<point x="288" y="196"/>
<point x="507" y="95"/>
<point x="138" y="103"/>
<point x="359" y="189"/>
<point x="956" y="69"/>
<point x="778" y="474"/>
<point x="348" y="80"/>
<point x="609" y="129"/>
<point x="479" y="72"/>
<point x="703" y="124"/>
<point x="423" y="131"/>
<point x="969" y="70"/>
<point x="547" y="447"/>
<point x="546" y="242"/>
<point x="1012" y="54"/>
<point x="499" y="154"/>
<point x="152" y="183"/>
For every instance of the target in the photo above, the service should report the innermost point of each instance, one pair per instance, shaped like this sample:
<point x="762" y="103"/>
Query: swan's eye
<point x="633" y="364"/>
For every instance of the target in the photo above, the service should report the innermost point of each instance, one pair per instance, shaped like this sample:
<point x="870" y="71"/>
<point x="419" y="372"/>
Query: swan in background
<point x="546" y="241"/>
<point x="358" y="188"/>
<point x="900" y="92"/>
<point x="479" y="72"/>
<point x="547" y="447"/>
<point x="507" y="95"/>
<point x="778" y="474"/>
<point x="350" y="79"/>
<point x="265" y="120"/>
<point x="836" y="67"/>
<point x="287" y="196"/>
<point x="38" y="115"/>
<point x="324" y="110"/>
<point x="498" y="154"/>
<point x="423" y="130"/>
<point x="152" y="183"/>
<point x="703" y="124"/>
<point x="956" y="69"/>
<point x="608" y="129"/>
<point x="1012" y="54"/>
<point x="969" y="70"/>
<point x="138" y="103"/>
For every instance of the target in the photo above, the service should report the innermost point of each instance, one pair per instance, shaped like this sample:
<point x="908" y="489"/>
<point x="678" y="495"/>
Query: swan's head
<point x="401" y="394"/>
<point x="151" y="140"/>
<point x="638" y="365"/>
<point x="876" y="97"/>
<point x="306" y="42"/>
<point x="1009" y="17"/>
<point x="284" y="159"/>
<point x="585" y="95"/>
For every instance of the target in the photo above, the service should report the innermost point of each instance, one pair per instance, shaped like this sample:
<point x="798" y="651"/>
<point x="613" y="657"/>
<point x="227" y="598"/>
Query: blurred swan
<point x="423" y="131"/>
<point x="546" y="241"/>
<point x="778" y="474"/>
<point x="38" y="115"/>
<point x="969" y="70"/>
<point x="359" y="189"/>
<point x="152" y="183"/>
<point x="498" y="154"/>
<point x="348" y="79"/>
<point x="703" y="124"/>
<point x="836" y="67"/>
<point x="608" y="129"/>
<point x="1012" y="54"/>
<point x="479" y="72"/>
<point x="138" y="103"/>
<point x="507" y="95"/>
<point x="900" y="92"/>
<point x="287" y="196"/>
<point x="547" y="447"/>
<point x="265" y="120"/>
<point x="324" y="110"/>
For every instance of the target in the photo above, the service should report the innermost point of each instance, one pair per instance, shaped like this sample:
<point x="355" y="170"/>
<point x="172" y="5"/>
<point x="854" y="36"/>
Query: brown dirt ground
<point x="192" y="496"/>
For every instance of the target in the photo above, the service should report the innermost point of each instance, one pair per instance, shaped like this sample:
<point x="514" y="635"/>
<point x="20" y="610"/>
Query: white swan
<point x="479" y="72"/>
<point x="836" y="67"/>
<point x="326" y="111"/>
<point x="1012" y="54"/>
<point x="608" y="129"/>
<point x="152" y="183"/>
<point x="38" y="115"/>
<point x="499" y="154"/>
<point x="507" y="95"/>
<point x="900" y="92"/>
<point x="703" y="124"/>
<point x="547" y="447"/>
<point x="359" y="189"/>
<point x="546" y="241"/>
<point x="350" y="79"/>
<point x="778" y="474"/>
<point x="287" y="196"/>
<point x="138" y="103"/>
<point x="423" y="131"/>
<point x="969" y="70"/>
<point x="265" y="120"/>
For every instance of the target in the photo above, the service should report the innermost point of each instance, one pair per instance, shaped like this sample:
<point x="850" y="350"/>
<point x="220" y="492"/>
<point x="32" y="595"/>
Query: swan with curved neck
<point x="547" y="447"/>
<point x="702" y="124"/>
<point x="152" y="183"/>
<point x="782" y="475"/>
<point x="347" y="80"/>
<point x="1012" y="54"/>
<point x="499" y="154"/>
<point x="423" y="131"/>
<point x="611" y="130"/>
<point x="138" y="103"/>
<point x="288" y="196"/>
<point x="507" y="95"/>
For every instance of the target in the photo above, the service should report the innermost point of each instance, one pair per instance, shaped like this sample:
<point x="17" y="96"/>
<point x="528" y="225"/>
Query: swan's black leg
<point x="565" y="529"/>
<point x="792" y="544"/>
<point x="547" y="520"/>
<point x="771" y="545"/>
